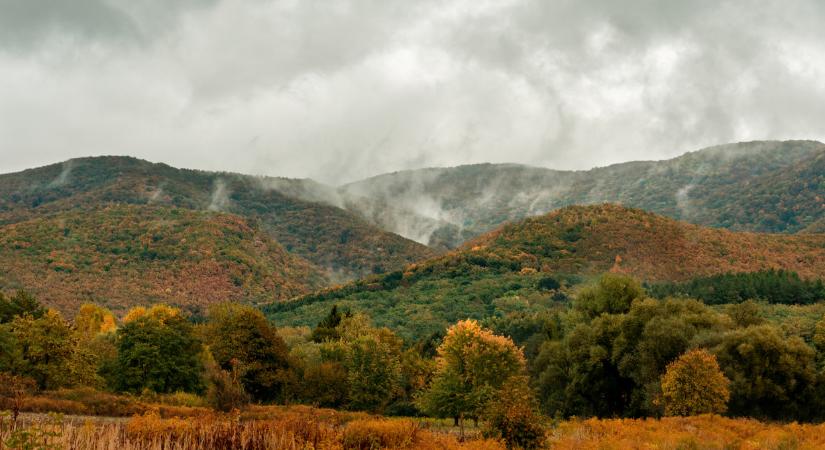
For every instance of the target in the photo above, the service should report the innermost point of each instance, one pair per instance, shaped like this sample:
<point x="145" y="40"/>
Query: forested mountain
<point x="330" y="237"/>
<point x="530" y="265"/>
<point x="128" y="255"/>
<point x="753" y="186"/>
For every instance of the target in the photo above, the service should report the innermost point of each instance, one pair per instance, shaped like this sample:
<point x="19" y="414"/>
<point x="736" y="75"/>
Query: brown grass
<point x="286" y="428"/>
<point x="700" y="432"/>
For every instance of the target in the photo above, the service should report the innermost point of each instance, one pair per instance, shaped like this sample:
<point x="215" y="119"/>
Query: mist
<point x="345" y="90"/>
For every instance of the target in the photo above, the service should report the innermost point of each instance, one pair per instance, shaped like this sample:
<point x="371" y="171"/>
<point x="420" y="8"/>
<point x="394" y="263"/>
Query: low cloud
<point x="339" y="91"/>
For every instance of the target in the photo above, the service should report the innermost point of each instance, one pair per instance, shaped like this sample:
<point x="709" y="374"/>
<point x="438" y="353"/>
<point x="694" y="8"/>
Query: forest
<point x="610" y="348"/>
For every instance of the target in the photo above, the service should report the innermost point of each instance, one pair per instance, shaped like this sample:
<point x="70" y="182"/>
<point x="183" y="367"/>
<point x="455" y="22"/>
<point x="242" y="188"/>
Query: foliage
<point x="129" y="255"/>
<point x="693" y="384"/>
<point x="611" y="294"/>
<point x="772" y="286"/>
<point x="20" y="304"/>
<point x="513" y="416"/>
<point x="471" y="366"/>
<point x="338" y="239"/>
<point x="46" y="347"/>
<point x="243" y="342"/>
<point x="771" y="375"/>
<point x="225" y="392"/>
<point x="157" y="351"/>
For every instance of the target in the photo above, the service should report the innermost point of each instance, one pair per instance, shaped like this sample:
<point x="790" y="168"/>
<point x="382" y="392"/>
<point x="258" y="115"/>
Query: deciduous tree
<point x="693" y="384"/>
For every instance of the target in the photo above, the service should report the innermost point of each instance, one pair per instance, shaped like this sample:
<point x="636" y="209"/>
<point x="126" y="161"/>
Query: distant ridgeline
<point x="773" y="286"/>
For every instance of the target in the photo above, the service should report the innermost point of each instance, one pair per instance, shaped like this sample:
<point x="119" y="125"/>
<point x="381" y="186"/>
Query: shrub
<point x="513" y="416"/>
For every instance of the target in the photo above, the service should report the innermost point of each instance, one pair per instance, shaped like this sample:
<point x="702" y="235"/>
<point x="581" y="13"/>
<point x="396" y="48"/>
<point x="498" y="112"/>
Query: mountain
<point x="337" y="240"/>
<point x="128" y="255"/>
<point x="532" y="264"/>
<point x="766" y="186"/>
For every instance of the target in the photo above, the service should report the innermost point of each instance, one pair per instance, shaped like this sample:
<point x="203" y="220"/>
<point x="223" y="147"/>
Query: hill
<point x="531" y="265"/>
<point x="128" y="255"/>
<point x="752" y="186"/>
<point x="330" y="237"/>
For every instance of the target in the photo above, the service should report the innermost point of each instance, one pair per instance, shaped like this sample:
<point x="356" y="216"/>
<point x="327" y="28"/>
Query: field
<point x="301" y="427"/>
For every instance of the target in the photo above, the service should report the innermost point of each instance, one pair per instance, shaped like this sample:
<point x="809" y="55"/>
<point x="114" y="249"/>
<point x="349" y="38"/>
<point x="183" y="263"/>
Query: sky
<point x="339" y="90"/>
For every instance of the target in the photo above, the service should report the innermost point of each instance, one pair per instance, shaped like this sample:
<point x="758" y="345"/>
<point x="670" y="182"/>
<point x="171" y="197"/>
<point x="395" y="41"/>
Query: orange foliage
<point x="706" y="432"/>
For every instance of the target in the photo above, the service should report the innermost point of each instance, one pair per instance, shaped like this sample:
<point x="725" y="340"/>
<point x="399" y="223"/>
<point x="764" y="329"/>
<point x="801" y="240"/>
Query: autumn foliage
<point x="694" y="384"/>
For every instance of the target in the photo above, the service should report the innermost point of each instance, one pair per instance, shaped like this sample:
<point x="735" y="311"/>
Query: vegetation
<point x="749" y="186"/>
<point x="337" y="240"/>
<point x="534" y="265"/>
<point x="773" y="286"/>
<point x="693" y="385"/>
<point x="124" y="256"/>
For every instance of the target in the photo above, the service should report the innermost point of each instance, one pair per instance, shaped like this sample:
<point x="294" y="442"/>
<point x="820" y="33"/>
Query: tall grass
<point x="302" y="429"/>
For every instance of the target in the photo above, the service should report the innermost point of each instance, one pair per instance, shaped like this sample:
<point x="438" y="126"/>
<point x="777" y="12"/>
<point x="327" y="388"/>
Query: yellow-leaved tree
<point x="693" y="384"/>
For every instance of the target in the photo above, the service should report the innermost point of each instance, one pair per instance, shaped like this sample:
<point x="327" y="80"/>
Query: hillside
<point x="753" y="186"/>
<point x="328" y="236"/>
<point x="529" y="265"/>
<point x="122" y="256"/>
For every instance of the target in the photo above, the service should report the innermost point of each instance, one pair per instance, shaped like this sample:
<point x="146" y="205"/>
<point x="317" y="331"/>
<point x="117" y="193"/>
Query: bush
<point x="369" y="434"/>
<point x="513" y="416"/>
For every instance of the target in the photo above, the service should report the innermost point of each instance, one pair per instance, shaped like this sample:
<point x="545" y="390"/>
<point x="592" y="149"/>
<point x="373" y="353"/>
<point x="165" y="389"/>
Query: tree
<point x="472" y="364"/>
<point x="46" y="345"/>
<point x="92" y="320"/>
<point x="241" y="338"/>
<point x="21" y="303"/>
<point x="157" y="350"/>
<point x="611" y="294"/>
<point x="693" y="384"/>
<point x="225" y="391"/>
<point x="772" y="376"/>
<point x="327" y="329"/>
<point x="513" y="416"/>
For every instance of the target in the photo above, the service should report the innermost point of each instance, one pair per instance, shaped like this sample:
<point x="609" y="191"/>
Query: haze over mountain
<point x="335" y="240"/>
<point x="767" y="186"/>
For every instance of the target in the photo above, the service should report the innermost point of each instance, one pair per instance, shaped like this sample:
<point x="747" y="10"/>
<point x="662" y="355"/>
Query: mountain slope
<point x="129" y="255"/>
<point x="529" y="265"/>
<point x="753" y="186"/>
<point x="328" y="236"/>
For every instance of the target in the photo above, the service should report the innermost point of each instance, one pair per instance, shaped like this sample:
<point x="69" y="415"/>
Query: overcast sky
<point x="340" y="90"/>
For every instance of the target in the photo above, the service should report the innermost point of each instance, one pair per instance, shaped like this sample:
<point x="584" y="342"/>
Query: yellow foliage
<point x="694" y="384"/>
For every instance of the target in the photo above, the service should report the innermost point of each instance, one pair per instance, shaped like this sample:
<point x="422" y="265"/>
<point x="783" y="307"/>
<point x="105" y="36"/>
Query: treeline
<point x="773" y="286"/>
<point x="614" y="351"/>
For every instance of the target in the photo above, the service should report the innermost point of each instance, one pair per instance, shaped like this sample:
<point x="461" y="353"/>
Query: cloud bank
<point x="339" y="90"/>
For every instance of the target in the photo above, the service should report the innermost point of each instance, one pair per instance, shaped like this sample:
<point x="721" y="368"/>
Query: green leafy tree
<point x="327" y="329"/>
<point x="693" y="384"/>
<point x="772" y="376"/>
<point x="240" y="337"/>
<point x="472" y="365"/>
<point x="21" y="303"/>
<point x="46" y="345"/>
<point x="157" y="350"/>
<point x="611" y="294"/>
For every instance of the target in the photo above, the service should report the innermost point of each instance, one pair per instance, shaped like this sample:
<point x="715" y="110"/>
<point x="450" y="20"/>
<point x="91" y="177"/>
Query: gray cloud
<point x="339" y="90"/>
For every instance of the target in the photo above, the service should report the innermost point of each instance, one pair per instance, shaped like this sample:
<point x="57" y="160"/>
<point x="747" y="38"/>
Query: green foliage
<point x="327" y="329"/>
<point x="46" y="347"/>
<point x="19" y="304"/>
<point x="240" y="338"/>
<point x="772" y="286"/>
<point x="224" y="392"/>
<point x="772" y="376"/>
<point x="157" y="351"/>
<point x="612" y="294"/>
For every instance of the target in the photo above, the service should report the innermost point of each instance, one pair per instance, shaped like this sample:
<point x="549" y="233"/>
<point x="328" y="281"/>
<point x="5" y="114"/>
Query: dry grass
<point x="700" y="432"/>
<point x="285" y="428"/>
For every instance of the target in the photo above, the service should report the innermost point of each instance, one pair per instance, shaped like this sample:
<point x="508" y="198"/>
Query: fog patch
<point x="220" y="197"/>
<point x="63" y="178"/>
